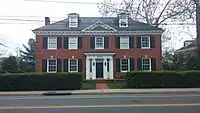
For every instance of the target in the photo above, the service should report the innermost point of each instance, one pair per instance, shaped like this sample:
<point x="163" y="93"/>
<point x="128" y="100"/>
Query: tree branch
<point x="157" y="20"/>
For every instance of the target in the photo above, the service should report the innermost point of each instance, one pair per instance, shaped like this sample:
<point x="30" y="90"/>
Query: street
<point x="137" y="103"/>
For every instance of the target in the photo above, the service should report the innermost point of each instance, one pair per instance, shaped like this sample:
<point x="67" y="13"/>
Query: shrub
<point x="40" y="81"/>
<point x="162" y="79"/>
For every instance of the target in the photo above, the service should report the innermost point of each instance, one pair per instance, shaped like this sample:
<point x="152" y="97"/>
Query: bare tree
<point x="154" y="12"/>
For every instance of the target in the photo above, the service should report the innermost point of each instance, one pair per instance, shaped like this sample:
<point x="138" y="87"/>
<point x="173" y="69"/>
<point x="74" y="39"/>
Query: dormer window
<point x="73" y="20"/>
<point x="123" y="22"/>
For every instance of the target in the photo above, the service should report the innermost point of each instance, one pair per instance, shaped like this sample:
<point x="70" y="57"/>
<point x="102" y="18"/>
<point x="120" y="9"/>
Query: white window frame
<point x="146" y="64"/>
<point x="121" y="64"/>
<point x="48" y="66"/>
<point x="72" y="21"/>
<point x="96" y="43"/>
<point x="69" y="42"/>
<point x="125" y="19"/>
<point x="49" y="42"/>
<point x="142" y="42"/>
<point x="69" y="65"/>
<point x="121" y="47"/>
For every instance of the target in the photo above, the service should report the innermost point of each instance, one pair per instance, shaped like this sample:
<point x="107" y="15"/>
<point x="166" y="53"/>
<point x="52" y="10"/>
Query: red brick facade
<point x="79" y="53"/>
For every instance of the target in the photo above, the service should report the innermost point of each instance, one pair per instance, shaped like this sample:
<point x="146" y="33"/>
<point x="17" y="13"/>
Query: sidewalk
<point x="103" y="91"/>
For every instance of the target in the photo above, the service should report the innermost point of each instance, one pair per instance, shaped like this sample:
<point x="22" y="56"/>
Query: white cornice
<point x="98" y="23"/>
<point x="97" y="32"/>
<point x="97" y="54"/>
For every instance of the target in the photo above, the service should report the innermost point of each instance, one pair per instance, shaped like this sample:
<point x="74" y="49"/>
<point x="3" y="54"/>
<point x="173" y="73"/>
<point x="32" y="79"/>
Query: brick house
<point x="99" y="47"/>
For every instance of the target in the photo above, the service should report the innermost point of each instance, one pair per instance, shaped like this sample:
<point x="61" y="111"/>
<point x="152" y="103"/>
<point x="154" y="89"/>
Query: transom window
<point x="73" y="65"/>
<point x="51" y="65"/>
<point x="52" y="42"/>
<point x="73" y="21"/>
<point x="73" y="42"/>
<point x="145" y="42"/>
<point x="99" y="43"/>
<point x="146" y="64"/>
<point x="124" y="65"/>
<point x="124" y="42"/>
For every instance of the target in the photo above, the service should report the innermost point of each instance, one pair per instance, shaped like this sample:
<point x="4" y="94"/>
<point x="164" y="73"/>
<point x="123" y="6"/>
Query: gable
<point x="99" y="26"/>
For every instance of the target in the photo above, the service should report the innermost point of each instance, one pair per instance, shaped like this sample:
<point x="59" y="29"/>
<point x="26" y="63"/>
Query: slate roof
<point x="189" y="46"/>
<point x="87" y="21"/>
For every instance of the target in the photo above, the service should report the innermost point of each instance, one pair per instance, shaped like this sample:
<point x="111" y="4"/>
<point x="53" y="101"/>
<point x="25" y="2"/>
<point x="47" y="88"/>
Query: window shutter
<point x="59" y="42"/>
<point x="153" y="64"/>
<point x="65" y="65"/>
<point x="152" y="42"/>
<point x="118" y="42"/>
<point x="59" y="65"/>
<point x="138" y="42"/>
<point x="44" y="65"/>
<point x="139" y="64"/>
<point x="44" y="42"/>
<point x="80" y="42"/>
<point x="118" y="65"/>
<point x="106" y="42"/>
<point x="131" y="42"/>
<point x="132" y="64"/>
<point x="92" y="42"/>
<point x="66" y="42"/>
<point x="80" y="65"/>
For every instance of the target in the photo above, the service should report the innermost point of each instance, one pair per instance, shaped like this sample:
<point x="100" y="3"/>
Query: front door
<point x="99" y="68"/>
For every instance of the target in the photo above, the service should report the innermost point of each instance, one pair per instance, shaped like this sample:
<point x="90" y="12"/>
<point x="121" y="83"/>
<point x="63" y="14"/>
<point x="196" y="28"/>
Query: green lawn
<point x="116" y="85"/>
<point x="88" y="85"/>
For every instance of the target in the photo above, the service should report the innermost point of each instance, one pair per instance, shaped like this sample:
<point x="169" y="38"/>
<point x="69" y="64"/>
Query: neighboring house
<point x="99" y="47"/>
<point x="188" y="50"/>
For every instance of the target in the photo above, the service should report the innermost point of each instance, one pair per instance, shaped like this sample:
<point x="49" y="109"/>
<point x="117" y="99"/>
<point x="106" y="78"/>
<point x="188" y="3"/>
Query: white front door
<point x="99" y="65"/>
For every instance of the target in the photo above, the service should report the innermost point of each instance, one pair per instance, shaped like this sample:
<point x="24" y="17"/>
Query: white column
<point x="111" y="68"/>
<point x="93" y="68"/>
<point x="87" y="69"/>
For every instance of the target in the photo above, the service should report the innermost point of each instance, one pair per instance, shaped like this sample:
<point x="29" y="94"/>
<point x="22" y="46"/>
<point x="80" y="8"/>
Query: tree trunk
<point x="198" y="26"/>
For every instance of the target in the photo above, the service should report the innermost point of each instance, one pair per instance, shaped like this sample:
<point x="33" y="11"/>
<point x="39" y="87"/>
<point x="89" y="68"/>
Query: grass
<point x="88" y="85"/>
<point x="116" y="85"/>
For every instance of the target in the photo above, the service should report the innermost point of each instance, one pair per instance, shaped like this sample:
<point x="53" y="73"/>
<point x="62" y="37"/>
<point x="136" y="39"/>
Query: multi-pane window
<point x="73" y="21"/>
<point x="73" y="65"/>
<point x="52" y="42"/>
<point x="124" y="65"/>
<point x="146" y="64"/>
<point x="123" y="22"/>
<point x="145" y="42"/>
<point x="124" y="42"/>
<point x="99" y="43"/>
<point x="51" y="65"/>
<point x="73" y="42"/>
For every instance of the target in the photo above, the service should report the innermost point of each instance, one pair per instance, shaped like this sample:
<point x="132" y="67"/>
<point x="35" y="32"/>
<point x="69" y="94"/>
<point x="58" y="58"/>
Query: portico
<point x="99" y="65"/>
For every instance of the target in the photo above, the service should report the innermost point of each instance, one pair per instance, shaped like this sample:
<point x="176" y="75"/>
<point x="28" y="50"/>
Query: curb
<point x="94" y="93"/>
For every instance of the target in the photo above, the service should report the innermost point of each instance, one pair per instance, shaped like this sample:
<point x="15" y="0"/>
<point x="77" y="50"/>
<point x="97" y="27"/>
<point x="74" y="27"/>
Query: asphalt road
<point x="162" y="103"/>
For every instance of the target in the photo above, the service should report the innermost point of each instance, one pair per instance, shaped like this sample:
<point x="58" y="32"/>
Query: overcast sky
<point x="14" y="35"/>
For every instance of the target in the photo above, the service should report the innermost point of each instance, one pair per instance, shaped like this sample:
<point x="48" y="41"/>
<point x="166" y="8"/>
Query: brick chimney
<point x="47" y="21"/>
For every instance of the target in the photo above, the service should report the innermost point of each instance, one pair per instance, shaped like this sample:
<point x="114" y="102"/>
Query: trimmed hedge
<point x="40" y="81"/>
<point x="163" y="79"/>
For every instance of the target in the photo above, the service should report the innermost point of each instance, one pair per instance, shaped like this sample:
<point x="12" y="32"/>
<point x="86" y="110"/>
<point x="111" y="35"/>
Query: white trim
<point x="121" y="65"/>
<point x="98" y="32"/>
<point x="49" y="45"/>
<point x="76" y="16"/>
<point x="69" y="65"/>
<point x="96" y="42"/>
<point x="121" y="41"/>
<point x="69" y="47"/>
<point x="149" y="42"/>
<point x="149" y="64"/>
<point x="48" y="66"/>
<point x="97" y="54"/>
<point x="98" y="23"/>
